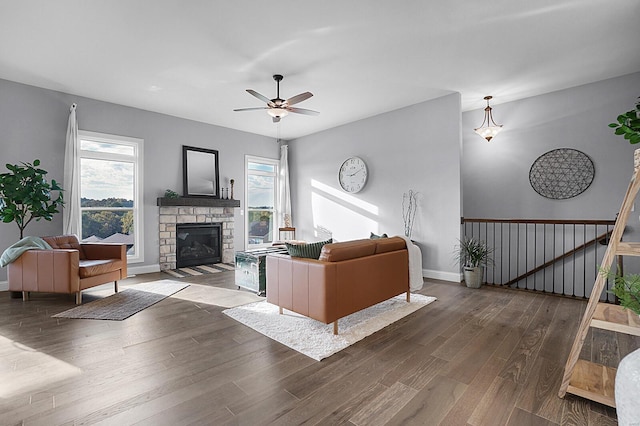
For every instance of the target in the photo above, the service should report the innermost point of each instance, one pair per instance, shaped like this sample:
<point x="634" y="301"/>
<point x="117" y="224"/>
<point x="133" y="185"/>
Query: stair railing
<point x="544" y="255"/>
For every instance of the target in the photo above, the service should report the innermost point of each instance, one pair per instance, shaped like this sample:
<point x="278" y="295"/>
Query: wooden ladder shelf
<point x="587" y="379"/>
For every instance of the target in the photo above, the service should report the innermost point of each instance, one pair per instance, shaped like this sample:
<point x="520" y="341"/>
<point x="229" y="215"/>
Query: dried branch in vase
<point x="409" y="205"/>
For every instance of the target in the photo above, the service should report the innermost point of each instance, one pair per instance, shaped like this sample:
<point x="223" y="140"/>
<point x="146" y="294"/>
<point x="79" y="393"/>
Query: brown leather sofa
<point x="69" y="268"/>
<point x="348" y="276"/>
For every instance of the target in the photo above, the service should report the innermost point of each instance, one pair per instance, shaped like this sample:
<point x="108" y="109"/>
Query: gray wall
<point x="33" y="123"/>
<point x="417" y="148"/>
<point x="495" y="175"/>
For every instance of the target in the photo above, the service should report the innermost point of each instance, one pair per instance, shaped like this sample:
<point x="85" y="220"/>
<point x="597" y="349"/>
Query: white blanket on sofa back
<point x="415" y="265"/>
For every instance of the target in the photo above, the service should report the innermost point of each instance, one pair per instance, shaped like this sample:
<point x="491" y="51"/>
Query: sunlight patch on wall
<point x="29" y="369"/>
<point x="347" y="198"/>
<point x="347" y="216"/>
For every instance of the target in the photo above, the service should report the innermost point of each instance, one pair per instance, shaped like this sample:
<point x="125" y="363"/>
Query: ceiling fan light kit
<point x="488" y="129"/>
<point x="277" y="112"/>
<point x="277" y="107"/>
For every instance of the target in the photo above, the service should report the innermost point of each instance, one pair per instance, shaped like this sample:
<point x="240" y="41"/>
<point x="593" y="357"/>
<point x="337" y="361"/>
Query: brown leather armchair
<point x="69" y="268"/>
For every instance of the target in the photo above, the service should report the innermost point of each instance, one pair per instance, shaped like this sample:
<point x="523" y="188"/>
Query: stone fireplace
<point x="198" y="244"/>
<point x="194" y="211"/>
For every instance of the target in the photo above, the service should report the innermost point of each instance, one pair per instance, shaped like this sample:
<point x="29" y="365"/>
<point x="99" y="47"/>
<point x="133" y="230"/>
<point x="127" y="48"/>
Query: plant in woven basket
<point x="25" y="195"/>
<point x="628" y="125"/>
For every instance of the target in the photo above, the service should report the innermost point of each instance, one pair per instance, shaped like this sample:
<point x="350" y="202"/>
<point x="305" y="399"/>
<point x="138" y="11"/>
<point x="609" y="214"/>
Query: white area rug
<point x="315" y="339"/>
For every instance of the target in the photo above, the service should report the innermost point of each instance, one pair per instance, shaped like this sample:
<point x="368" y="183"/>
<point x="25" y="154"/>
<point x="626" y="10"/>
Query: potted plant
<point x="473" y="255"/>
<point x="627" y="290"/>
<point x="25" y="195"/>
<point x="628" y="125"/>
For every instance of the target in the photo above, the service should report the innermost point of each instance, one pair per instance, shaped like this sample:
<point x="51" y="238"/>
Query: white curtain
<point x="284" y="189"/>
<point x="71" y="210"/>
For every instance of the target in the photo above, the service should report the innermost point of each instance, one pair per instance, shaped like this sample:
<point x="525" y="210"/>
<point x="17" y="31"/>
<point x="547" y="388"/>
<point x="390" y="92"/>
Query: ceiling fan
<point x="277" y="107"/>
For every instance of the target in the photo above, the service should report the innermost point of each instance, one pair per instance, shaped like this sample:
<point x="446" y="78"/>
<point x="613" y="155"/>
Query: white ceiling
<point x="194" y="59"/>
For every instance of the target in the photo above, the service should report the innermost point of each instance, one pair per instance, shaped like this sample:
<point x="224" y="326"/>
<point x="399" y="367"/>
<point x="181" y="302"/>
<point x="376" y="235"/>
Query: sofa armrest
<point x="53" y="271"/>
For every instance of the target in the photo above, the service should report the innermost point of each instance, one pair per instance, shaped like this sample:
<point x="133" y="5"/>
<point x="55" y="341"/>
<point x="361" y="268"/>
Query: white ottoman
<point x="628" y="390"/>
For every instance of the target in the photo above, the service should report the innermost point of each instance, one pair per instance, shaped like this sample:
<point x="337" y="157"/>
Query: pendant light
<point x="491" y="129"/>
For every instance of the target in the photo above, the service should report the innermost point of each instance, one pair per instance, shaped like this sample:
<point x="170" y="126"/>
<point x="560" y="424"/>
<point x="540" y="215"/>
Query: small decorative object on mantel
<point x="561" y="173"/>
<point x="232" y="182"/>
<point x="171" y="194"/>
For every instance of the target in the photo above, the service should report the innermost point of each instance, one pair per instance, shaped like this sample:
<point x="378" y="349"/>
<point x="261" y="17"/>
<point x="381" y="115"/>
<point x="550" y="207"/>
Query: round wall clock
<point x="353" y="174"/>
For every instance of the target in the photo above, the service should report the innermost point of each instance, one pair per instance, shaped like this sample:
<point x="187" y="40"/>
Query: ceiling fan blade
<point x="276" y="119"/>
<point x="250" y="109"/>
<point x="260" y="96"/>
<point x="303" y="111"/>
<point x="299" y="98"/>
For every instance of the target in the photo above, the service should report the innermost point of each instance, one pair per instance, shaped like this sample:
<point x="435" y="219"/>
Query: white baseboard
<point x="442" y="275"/>
<point x="4" y="285"/>
<point x="145" y="269"/>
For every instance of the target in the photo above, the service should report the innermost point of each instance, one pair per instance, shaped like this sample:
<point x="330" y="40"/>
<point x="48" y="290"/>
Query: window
<point x="111" y="191"/>
<point x="261" y="200"/>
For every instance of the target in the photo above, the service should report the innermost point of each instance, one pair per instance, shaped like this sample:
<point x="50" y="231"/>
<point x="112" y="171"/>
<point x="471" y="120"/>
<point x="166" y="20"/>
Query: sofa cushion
<point x="348" y="250"/>
<point x="91" y="268"/>
<point x="384" y="245"/>
<point x="308" y="250"/>
<point x="66" y="242"/>
<point x="375" y="236"/>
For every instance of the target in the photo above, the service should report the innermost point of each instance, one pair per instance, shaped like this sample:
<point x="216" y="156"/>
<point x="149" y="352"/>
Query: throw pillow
<point x="309" y="250"/>
<point x="375" y="237"/>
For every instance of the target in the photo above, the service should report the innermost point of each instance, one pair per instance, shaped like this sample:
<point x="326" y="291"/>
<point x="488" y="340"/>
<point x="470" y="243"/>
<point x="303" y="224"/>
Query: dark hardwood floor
<point x="479" y="357"/>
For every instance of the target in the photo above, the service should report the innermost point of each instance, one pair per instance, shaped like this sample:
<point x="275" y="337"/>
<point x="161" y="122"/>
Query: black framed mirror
<point x="200" y="172"/>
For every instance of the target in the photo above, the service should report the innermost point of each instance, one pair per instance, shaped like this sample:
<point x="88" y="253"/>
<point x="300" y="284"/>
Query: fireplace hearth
<point x="198" y="244"/>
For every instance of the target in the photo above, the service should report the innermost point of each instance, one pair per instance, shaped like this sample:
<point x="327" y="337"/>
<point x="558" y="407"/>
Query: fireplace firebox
<point x="198" y="244"/>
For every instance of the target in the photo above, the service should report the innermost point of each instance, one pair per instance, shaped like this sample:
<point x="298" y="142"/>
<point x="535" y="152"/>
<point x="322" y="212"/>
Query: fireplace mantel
<point x="196" y="202"/>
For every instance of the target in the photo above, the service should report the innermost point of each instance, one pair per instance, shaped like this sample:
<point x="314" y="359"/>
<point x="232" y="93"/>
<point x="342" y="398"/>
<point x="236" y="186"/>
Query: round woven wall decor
<point x="562" y="173"/>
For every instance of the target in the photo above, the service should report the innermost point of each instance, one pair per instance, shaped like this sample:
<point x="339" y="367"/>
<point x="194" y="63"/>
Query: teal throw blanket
<point x="15" y="250"/>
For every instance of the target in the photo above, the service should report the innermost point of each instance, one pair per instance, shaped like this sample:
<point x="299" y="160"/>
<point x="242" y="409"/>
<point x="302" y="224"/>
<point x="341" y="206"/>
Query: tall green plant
<point x="628" y="125"/>
<point x="25" y="195"/>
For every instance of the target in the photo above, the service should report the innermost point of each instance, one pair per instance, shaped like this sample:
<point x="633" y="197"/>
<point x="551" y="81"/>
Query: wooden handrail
<point x="559" y="258"/>
<point x="543" y="221"/>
